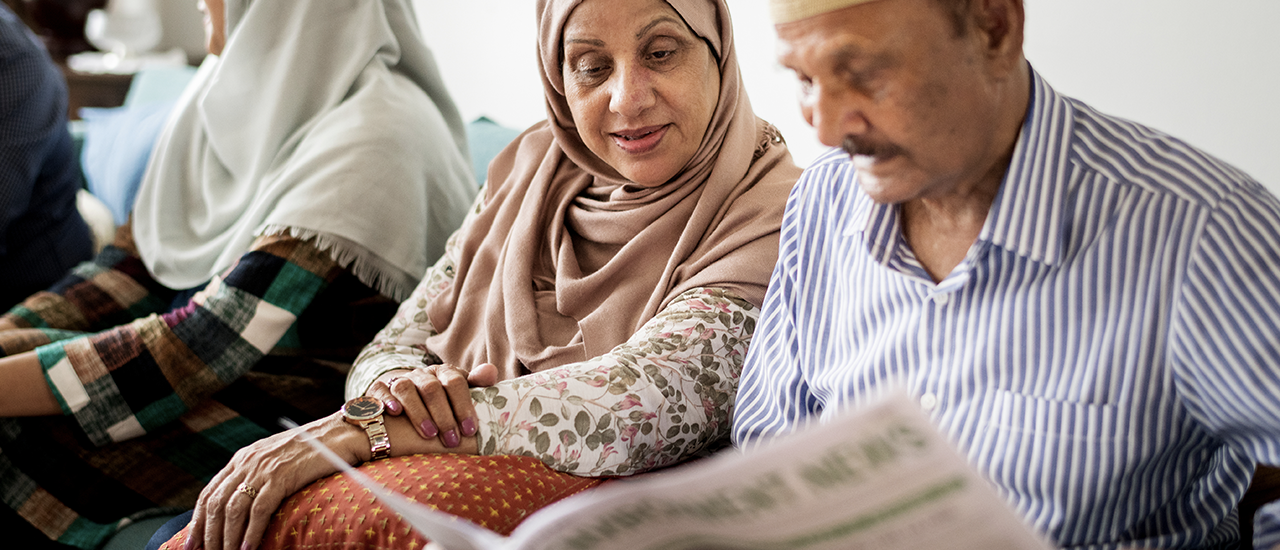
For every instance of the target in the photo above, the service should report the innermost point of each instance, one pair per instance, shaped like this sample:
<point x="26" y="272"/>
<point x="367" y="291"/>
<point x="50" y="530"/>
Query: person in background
<point x="1086" y="306"/>
<point x="41" y="232"/>
<point x="306" y="179"/>
<point x="608" y="277"/>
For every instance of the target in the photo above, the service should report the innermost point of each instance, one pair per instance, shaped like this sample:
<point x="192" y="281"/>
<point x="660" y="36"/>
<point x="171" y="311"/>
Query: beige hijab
<point x="567" y="259"/>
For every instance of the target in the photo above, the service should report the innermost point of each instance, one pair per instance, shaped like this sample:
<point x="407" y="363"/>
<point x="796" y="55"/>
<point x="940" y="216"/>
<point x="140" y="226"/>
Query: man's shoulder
<point x="831" y="174"/>
<point x="834" y="157"/>
<point x="1133" y="154"/>
<point x="825" y="201"/>
<point x="831" y="170"/>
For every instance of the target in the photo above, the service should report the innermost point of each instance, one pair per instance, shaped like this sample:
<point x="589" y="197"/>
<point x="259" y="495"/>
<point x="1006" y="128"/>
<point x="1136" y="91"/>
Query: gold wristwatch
<point x="366" y="412"/>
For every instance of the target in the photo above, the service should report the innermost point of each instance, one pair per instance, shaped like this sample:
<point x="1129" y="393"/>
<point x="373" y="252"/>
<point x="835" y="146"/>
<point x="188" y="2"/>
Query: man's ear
<point x="1000" y="24"/>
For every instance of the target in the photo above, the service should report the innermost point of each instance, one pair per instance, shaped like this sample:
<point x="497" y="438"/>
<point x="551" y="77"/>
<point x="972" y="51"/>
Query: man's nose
<point x="835" y="112"/>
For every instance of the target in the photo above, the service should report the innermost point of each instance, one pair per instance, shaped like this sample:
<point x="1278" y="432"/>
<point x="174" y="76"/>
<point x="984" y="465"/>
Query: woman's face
<point x="640" y="85"/>
<point x="215" y="24"/>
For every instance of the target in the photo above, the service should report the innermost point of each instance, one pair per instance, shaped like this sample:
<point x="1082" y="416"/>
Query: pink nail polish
<point x="469" y="427"/>
<point x="244" y="546"/>
<point x="393" y="407"/>
<point x="451" y="439"/>
<point x="429" y="429"/>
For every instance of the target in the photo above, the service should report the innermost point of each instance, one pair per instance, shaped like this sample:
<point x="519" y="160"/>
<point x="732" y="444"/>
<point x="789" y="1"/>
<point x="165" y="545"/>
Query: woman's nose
<point x="633" y="91"/>
<point x="834" y="112"/>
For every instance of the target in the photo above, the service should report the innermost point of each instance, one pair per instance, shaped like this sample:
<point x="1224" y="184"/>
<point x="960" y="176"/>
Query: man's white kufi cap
<point x="786" y="11"/>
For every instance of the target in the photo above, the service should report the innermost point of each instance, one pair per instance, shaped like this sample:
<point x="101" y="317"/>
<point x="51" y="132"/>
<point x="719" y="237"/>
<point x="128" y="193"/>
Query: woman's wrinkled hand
<point x="436" y="398"/>
<point x="6" y="324"/>
<point x="235" y="507"/>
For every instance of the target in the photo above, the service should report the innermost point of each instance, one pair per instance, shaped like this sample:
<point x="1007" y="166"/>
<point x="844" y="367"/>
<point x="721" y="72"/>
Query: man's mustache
<point x="855" y="146"/>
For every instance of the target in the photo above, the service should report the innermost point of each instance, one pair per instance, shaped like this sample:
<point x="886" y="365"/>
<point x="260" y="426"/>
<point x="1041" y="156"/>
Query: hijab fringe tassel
<point x="371" y="270"/>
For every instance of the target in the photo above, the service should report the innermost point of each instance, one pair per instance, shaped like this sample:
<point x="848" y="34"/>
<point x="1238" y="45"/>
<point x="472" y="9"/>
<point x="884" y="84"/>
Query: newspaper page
<point x="881" y="477"/>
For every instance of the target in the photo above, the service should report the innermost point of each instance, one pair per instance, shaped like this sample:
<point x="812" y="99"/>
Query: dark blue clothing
<point x="169" y="529"/>
<point x="41" y="233"/>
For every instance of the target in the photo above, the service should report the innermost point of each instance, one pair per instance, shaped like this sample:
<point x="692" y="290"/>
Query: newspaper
<point x="881" y="477"/>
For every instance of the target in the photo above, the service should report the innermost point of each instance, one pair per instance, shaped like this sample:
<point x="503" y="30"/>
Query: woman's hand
<point x="436" y="398"/>
<point x="6" y="324"/>
<point x="270" y="470"/>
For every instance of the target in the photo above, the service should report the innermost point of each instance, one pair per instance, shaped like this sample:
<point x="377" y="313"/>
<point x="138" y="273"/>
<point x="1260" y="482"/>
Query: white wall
<point x="183" y="28"/>
<point x="1207" y="72"/>
<point x="1202" y="70"/>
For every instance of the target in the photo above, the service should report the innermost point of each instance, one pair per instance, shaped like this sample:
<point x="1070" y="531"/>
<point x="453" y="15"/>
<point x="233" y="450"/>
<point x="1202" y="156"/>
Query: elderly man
<point x="1089" y="308"/>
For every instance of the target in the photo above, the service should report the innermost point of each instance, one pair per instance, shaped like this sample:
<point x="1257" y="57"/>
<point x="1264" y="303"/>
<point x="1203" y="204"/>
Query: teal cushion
<point x="117" y="146"/>
<point x="159" y="85"/>
<point x="486" y="139"/>
<point x="114" y="144"/>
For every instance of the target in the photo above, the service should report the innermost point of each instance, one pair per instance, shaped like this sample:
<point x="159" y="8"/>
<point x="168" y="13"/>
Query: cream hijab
<point x="567" y="260"/>
<point x="324" y="119"/>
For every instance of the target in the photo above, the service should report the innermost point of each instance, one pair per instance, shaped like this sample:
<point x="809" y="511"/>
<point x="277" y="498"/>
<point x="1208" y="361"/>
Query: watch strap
<point x="379" y="442"/>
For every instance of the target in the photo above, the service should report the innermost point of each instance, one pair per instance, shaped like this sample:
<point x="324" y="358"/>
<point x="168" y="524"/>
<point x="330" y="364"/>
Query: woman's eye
<point x="662" y="54"/>
<point x="590" y="68"/>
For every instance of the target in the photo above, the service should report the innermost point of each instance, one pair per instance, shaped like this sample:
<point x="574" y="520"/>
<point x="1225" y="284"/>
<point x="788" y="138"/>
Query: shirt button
<point x="929" y="401"/>
<point x="941" y="299"/>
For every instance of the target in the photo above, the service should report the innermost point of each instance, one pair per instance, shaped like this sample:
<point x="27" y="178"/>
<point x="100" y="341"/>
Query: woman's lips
<point x="640" y="140"/>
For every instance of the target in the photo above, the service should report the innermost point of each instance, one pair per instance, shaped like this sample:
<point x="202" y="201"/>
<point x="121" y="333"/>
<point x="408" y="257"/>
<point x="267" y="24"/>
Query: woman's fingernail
<point x="429" y="429"/>
<point x="244" y="546"/>
<point x="451" y="439"/>
<point x="190" y="544"/>
<point x="393" y="407"/>
<point x="469" y="427"/>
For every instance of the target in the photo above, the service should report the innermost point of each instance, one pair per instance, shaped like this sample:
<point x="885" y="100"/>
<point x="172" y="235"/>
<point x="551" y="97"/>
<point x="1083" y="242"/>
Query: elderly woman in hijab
<point x="308" y="177"/>
<point x="609" y="277"/>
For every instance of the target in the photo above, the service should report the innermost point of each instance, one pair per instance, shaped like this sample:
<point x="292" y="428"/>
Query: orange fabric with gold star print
<point x="495" y="492"/>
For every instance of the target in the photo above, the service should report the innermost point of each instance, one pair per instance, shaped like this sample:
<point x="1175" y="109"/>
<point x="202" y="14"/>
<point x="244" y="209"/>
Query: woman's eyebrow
<point x="588" y="41"/>
<point x="656" y="22"/>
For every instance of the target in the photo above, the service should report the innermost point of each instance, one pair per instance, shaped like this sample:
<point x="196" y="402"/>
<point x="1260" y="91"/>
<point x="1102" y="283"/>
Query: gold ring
<point x="247" y="490"/>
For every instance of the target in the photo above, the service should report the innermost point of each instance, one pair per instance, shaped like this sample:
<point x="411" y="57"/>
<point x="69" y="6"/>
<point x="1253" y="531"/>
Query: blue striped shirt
<point x="1107" y="354"/>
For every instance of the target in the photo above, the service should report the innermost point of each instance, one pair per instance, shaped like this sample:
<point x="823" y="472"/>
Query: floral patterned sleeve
<point x="401" y="344"/>
<point x="665" y="395"/>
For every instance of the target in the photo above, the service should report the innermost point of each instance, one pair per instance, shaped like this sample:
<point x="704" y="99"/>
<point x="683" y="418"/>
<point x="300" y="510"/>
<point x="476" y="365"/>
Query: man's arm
<point x="1225" y="335"/>
<point x="773" y="395"/>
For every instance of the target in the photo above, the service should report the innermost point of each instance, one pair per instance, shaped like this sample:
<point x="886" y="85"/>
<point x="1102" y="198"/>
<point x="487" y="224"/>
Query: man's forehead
<point x="786" y="11"/>
<point x="817" y="51"/>
<point x="833" y="38"/>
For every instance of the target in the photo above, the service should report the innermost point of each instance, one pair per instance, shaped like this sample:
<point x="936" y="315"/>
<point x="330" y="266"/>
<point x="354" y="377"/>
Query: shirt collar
<point x="1029" y="211"/>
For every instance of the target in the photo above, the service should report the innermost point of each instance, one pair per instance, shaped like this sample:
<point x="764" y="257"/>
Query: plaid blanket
<point x="159" y="390"/>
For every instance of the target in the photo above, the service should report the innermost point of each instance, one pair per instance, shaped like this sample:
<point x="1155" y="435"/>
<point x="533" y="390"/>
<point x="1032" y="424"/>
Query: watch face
<point x="363" y="408"/>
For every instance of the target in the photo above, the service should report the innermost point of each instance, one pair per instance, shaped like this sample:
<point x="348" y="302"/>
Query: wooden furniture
<point x="1264" y="488"/>
<point x="59" y="23"/>
<point x="94" y="90"/>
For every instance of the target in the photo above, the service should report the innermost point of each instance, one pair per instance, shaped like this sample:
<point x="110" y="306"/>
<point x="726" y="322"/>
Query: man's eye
<point x="806" y="88"/>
